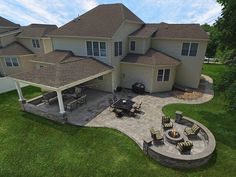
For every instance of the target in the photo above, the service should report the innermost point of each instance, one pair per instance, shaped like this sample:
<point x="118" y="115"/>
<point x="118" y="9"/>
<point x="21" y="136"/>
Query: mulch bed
<point x="190" y="95"/>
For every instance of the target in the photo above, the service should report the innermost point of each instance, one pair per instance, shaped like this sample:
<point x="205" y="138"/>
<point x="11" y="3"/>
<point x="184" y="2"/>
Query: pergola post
<point x="60" y="101"/>
<point x="19" y="91"/>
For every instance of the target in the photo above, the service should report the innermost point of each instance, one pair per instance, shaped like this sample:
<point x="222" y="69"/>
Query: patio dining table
<point x="123" y="104"/>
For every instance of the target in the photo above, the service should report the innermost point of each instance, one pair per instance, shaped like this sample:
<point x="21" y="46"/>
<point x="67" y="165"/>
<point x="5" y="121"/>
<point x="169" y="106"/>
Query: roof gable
<point x="102" y="21"/>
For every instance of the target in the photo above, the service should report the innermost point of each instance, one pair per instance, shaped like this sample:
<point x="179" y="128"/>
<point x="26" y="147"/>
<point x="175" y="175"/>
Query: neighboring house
<point x="109" y="46"/>
<point x="19" y="45"/>
<point x="34" y="38"/>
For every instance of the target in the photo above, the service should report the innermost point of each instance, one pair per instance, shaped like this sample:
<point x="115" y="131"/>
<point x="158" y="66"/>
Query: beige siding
<point x="78" y="46"/>
<point x="27" y="42"/>
<point x="24" y="65"/>
<point x="121" y="35"/>
<point x="47" y="44"/>
<point x="141" y="45"/>
<point x="189" y="72"/>
<point x="131" y="73"/>
<point x="158" y="86"/>
<point x="5" y="40"/>
<point x="103" y="85"/>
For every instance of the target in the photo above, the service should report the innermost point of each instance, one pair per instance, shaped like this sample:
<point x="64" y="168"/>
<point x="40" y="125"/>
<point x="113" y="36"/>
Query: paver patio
<point x="137" y="128"/>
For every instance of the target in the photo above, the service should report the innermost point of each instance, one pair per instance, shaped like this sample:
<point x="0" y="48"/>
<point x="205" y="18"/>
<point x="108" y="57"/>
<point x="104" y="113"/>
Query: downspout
<point x="4" y="73"/>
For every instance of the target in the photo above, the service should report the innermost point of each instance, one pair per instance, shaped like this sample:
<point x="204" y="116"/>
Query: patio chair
<point x="192" y="132"/>
<point x="50" y="98"/>
<point x="72" y="105"/>
<point x="184" y="147"/>
<point x="119" y="113"/>
<point x="82" y="99"/>
<point x="137" y="106"/>
<point x="156" y="134"/>
<point x="166" y="123"/>
<point x="132" y="112"/>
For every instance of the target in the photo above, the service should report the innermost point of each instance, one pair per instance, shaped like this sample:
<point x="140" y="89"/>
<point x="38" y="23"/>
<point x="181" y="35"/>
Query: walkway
<point x="138" y="128"/>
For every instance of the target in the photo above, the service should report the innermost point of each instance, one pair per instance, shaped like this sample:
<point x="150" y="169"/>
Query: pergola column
<point x="19" y="91"/>
<point x="60" y="101"/>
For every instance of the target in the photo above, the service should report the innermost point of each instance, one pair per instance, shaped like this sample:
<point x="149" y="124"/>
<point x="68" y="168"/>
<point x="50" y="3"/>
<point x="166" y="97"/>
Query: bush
<point x="227" y="84"/>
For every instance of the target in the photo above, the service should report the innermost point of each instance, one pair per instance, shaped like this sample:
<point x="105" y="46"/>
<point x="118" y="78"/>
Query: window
<point x="132" y="45"/>
<point x="103" y="52"/>
<point x="118" y="48"/>
<point x="89" y="48"/>
<point x="95" y="48"/>
<point x="189" y="49"/>
<point x="193" y="49"/>
<point x="35" y="43"/>
<point x="11" y="61"/>
<point x="185" y="49"/>
<point x="163" y="75"/>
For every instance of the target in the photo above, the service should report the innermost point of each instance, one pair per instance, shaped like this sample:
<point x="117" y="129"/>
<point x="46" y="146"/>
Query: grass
<point x="222" y="123"/>
<point x="32" y="146"/>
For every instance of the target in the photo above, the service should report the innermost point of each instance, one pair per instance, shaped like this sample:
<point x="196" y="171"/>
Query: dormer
<point x="140" y="40"/>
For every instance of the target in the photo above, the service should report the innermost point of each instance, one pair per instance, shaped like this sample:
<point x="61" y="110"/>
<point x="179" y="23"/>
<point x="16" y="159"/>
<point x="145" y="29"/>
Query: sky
<point x="59" y="12"/>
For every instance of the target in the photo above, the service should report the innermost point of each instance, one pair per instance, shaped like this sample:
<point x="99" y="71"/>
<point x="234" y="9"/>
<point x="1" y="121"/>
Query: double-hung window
<point x="163" y="75"/>
<point x="11" y="61"/>
<point x="132" y="45"/>
<point x="189" y="49"/>
<point x="96" y="48"/>
<point x="118" y="48"/>
<point x="35" y="43"/>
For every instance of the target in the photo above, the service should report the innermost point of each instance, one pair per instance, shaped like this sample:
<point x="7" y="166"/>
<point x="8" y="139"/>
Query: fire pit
<point x="173" y="137"/>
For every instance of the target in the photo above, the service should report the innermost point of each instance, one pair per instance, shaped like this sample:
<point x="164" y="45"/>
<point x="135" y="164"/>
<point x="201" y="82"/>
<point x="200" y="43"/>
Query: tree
<point x="214" y="42"/>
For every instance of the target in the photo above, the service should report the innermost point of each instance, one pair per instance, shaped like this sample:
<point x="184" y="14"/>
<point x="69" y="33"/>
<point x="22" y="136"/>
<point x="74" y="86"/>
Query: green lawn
<point x="32" y="146"/>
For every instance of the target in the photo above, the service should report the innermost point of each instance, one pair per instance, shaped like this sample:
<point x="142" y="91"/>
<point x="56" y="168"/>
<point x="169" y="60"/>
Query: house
<point x="19" y="45"/>
<point x="128" y="50"/>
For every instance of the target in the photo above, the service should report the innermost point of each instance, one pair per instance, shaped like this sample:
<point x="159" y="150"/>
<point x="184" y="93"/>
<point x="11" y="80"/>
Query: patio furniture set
<point x="72" y="97"/>
<point x="123" y="107"/>
<point x="174" y="137"/>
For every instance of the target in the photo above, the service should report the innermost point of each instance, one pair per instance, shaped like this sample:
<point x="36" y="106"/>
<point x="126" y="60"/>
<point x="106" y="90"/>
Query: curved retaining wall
<point x="183" y="161"/>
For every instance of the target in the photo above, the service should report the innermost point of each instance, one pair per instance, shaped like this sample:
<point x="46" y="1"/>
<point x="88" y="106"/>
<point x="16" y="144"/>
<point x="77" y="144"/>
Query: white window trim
<point x="189" y="47"/>
<point x="12" y="62"/>
<point x="163" y="76"/>
<point x="98" y="48"/>
<point x="118" y="48"/>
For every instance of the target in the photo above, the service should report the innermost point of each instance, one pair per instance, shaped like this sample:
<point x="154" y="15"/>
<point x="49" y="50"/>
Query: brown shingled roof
<point x="102" y="21"/>
<point x="171" y="31"/>
<point x="152" y="57"/>
<point x="37" y="30"/>
<point x="6" y="23"/>
<point x="14" y="48"/>
<point x="146" y="30"/>
<point x="183" y="31"/>
<point x="71" y="70"/>
<point x="53" y="57"/>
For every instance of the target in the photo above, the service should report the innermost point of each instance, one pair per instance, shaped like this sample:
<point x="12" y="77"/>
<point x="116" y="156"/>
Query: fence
<point x="7" y="85"/>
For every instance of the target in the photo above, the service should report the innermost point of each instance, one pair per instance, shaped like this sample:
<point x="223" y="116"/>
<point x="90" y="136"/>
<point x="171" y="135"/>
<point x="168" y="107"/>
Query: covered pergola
<point x="63" y="75"/>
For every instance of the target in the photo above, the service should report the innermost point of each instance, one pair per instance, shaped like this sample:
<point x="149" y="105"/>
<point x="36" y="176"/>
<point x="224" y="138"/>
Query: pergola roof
<point x="69" y="72"/>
